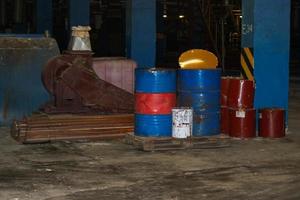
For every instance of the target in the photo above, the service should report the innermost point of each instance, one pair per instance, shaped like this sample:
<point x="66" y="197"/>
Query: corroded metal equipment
<point x="272" y="122"/>
<point x="49" y="128"/>
<point x="75" y="87"/>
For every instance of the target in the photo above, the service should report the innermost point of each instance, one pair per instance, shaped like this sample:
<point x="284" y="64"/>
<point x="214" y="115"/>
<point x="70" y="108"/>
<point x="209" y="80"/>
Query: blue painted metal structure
<point x="21" y="88"/>
<point x="247" y="23"/>
<point x="44" y="12"/>
<point x="79" y="12"/>
<point x="154" y="81"/>
<point x="271" y="40"/>
<point x="200" y="89"/>
<point x="141" y="32"/>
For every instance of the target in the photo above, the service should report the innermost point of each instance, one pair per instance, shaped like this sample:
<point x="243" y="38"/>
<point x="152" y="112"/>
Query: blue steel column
<point x="247" y="60"/>
<point x="44" y="16"/>
<point x="79" y="12"/>
<point x="271" y="52"/>
<point x="141" y="31"/>
<point x="247" y="23"/>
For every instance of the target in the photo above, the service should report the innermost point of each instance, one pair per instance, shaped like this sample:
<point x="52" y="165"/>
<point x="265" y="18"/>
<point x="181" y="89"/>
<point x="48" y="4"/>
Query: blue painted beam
<point x="141" y="32"/>
<point x="44" y="14"/>
<point x="247" y="23"/>
<point x="271" y="41"/>
<point x="79" y="12"/>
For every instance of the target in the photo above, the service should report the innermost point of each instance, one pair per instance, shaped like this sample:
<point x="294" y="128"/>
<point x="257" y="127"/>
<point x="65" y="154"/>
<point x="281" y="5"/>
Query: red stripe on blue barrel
<point x="153" y="103"/>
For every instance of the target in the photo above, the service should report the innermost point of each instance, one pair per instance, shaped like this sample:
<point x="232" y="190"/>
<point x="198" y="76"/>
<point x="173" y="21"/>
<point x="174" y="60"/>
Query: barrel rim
<point x="271" y="109"/>
<point x="231" y="77"/>
<point x="242" y="109"/>
<point x="154" y="69"/>
<point x="182" y="108"/>
<point x="216" y="69"/>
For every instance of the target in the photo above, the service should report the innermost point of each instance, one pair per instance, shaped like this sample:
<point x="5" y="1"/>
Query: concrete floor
<point x="254" y="169"/>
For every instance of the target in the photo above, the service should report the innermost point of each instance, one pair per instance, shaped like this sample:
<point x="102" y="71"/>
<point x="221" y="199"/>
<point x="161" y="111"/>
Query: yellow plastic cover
<point x="198" y="59"/>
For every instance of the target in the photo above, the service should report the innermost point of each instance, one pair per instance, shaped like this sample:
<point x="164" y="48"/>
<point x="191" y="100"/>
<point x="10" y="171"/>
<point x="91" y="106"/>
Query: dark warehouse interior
<point x="149" y="99"/>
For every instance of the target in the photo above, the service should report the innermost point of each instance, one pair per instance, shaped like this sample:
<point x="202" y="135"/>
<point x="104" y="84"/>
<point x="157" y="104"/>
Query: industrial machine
<point x="76" y="88"/>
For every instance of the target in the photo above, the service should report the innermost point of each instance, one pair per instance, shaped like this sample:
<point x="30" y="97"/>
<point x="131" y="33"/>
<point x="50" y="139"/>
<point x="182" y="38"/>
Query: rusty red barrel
<point x="225" y="81"/>
<point x="242" y="123"/>
<point x="272" y="122"/>
<point x="224" y="120"/>
<point x="241" y="93"/>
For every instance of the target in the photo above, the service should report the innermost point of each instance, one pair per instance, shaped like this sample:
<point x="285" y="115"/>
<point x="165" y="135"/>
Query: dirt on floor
<point x="259" y="169"/>
<point x="252" y="169"/>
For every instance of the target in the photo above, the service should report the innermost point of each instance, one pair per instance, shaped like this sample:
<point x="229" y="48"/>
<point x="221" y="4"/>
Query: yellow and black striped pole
<point x="247" y="62"/>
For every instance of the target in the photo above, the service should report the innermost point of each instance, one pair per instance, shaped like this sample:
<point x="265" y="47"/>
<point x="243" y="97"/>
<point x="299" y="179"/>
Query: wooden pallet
<point x="168" y="144"/>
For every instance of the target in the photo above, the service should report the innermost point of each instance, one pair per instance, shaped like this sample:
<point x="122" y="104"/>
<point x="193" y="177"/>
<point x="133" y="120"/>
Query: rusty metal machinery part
<point x="76" y="88"/>
<point x="48" y="128"/>
<point x="55" y="66"/>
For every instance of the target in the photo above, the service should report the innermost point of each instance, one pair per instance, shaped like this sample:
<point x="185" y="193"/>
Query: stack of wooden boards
<point x="47" y="128"/>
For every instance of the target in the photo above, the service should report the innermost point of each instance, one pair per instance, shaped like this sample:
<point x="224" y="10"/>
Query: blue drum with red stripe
<point x="155" y="96"/>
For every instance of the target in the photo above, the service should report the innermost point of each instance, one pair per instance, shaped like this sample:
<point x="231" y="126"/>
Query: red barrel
<point x="224" y="120"/>
<point x="242" y="123"/>
<point x="241" y="93"/>
<point x="272" y="122"/>
<point x="225" y="83"/>
<point x="153" y="103"/>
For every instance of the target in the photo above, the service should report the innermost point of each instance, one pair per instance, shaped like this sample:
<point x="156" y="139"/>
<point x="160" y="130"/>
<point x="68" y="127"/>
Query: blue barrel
<point x="154" y="81"/>
<point x="200" y="89"/>
<point x="200" y="100"/>
<point x="153" y="125"/>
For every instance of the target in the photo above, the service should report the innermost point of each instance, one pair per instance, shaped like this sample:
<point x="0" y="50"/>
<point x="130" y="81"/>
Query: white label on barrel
<point x="260" y="116"/>
<point x="182" y="122"/>
<point x="240" y="114"/>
